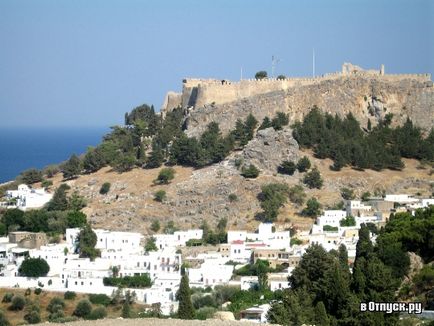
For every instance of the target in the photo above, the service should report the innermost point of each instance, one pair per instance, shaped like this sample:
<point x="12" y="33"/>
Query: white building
<point x="26" y="197"/>
<point x="266" y="234"/>
<point x="108" y="240"/>
<point x="331" y="217"/>
<point x="179" y="238"/>
<point x="401" y="199"/>
<point x="209" y="274"/>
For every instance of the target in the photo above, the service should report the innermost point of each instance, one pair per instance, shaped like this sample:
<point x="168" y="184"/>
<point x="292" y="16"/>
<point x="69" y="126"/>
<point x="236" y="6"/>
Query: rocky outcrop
<point x="366" y="97"/>
<point x="269" y="148"/>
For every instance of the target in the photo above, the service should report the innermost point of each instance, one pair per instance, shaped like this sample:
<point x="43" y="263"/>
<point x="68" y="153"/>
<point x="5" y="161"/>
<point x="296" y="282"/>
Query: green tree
<point x="261" y="74"/>
<point x="76" y="202"/>
<point x="321" y="316"/>
<point x="313" y="208"/>
<point x="281" y="119"/>
<point x="266" y="123"/>
<point x="150" y="245"/>
<point x="124" y="163"/>
<point x="59" y="202"/>
<point x="303" y="164"/>
<point x="87" y="240"/>
<point x="93" y="160"/>
<point x="156" y="157"/>
<point x="273" y="196"/>
<point x="250" y="125"/>
<point x="13" y="217"/>
<point x="313" y="179"/>
<point x="185" y="308"/>
<point x="72" y="167"/>
<point x="165" y="176"/>
<point x="34" y="267"/>
<point x="76" y="219"/>
<point x="30" y="176"/>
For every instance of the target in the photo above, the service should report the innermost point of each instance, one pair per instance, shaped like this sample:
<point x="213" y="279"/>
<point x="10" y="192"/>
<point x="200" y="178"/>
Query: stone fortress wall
<point x="350" y="90"/>
<point x="200" y="92"/>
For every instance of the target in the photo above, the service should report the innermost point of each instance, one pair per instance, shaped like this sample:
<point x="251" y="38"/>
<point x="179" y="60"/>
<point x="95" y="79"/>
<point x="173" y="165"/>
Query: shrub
<point x="34" y="267"/>
<point x="204" y="313"/>
<point x="232" y="198"/>
<point x="69" y="295"/>
<point x="28" y="292"/>
<point x="105" y="188"/>
<point x="313" y="179"/>
<point x="56" y="316"/>
<point x="347" y="193"/>
<point x="38" y="291"/>
<point x="3" y="320"/>
<point x="97" y="313"/>
<point x="251" y="172"/>
<point x="33" y="317"/>
<point x="295" y="241"/>
<point x="136" y="281"/>
<point x="18" y="303"/>
<point x="303" y="164"/>
<point x="365" y="196"/>
<point x="83" y="309"/>
<point x="55" y="305"/>
<point x="160" y="196"/>
<point x="329" y="228"/>
<point x="297" y="195"/>
<point x="286" y="167"/>
<point x="165" y="176"/>
<point x="348" y="221"/>
<point x="7" y="297"/>
<point x="63" y="319"/>
<point x="99" y="299"/>
<point x="46" y="183"/>
<point x="155" y="226"/>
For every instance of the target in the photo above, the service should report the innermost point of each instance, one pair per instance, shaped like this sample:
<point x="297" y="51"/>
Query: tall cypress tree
<point x="185" y="308"/>
<point x="321" y="318"/>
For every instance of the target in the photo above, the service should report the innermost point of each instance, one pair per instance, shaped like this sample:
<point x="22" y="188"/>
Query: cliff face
<point x="367" y="97"/>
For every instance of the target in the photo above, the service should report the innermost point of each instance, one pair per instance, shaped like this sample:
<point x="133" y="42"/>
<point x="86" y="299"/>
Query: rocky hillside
<point x="366" y="97"/>
<point x="203" y="194"/>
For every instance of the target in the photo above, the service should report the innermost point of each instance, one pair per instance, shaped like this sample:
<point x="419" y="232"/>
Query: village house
<point x="27" y="198"/>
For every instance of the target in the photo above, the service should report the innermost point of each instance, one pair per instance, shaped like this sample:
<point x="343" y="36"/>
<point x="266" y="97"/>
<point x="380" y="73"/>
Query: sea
<point x="24" y="148"/>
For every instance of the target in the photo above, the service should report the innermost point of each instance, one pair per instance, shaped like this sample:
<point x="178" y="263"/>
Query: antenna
<point x="241" y="74"/>
<point x="313" y="62"/>
<point x="274" y="62"/>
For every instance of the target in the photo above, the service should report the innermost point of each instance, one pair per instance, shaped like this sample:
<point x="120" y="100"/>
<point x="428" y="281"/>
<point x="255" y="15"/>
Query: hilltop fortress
<point x="368" y="94"/>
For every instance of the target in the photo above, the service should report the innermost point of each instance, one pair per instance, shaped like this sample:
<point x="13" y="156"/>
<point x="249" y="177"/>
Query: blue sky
<point x="85" y="63"/>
